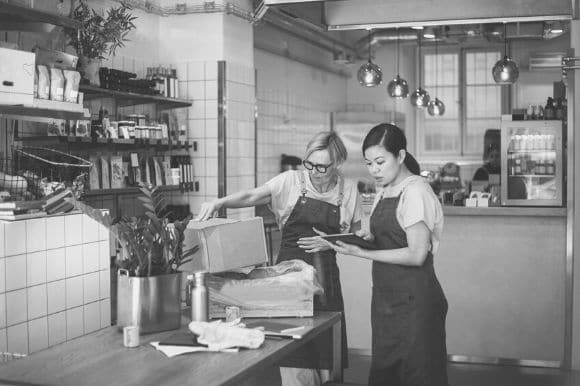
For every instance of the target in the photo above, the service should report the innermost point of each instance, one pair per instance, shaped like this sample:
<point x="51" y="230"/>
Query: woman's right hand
<point x="364" y="234"/>
<point x="208" y="210"/>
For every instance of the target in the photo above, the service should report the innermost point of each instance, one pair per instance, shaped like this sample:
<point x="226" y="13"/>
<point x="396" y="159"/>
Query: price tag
<point x="134" y="160"/>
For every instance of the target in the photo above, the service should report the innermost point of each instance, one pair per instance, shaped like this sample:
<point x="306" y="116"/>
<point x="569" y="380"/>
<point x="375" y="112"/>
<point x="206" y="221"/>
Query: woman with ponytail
<point x="408" y="306"/>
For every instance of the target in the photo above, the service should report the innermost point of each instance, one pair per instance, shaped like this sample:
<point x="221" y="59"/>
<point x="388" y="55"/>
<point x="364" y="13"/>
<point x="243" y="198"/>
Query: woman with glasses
<point x="408" y="307"/>
<point x="308" y="203"/>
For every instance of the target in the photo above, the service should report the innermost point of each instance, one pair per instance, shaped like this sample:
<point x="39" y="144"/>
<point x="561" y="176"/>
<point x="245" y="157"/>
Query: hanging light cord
<point x="436" y="69"/>
<point x="398" y="51"/>
<point x="370" y="41"/>
<point x="420" y="62"/>
<point x="505" y="53"/>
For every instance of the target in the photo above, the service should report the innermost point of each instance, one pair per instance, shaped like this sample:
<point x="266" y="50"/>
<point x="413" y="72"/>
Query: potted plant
<point x="148" y="279"/>
<point x="99" y="35"/>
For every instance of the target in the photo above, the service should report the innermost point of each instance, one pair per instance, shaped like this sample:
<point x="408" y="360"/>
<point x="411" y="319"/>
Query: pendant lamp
<point x="436" y="107"/>
<point x="398" y="87"/>
<point x="420" y="97"/>
<point x="369" y="74"/>
<point x="505" y="71"/>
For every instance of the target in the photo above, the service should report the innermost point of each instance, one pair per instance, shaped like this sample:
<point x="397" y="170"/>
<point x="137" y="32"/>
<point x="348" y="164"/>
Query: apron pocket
<point x="390" y="320"/>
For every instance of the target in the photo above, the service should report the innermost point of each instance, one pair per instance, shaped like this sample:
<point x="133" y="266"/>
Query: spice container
<point x="199" y="298"/>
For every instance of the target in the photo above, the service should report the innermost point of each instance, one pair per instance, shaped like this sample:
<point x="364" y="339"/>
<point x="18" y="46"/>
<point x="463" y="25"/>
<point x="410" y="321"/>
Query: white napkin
<point x="172" y="351"/>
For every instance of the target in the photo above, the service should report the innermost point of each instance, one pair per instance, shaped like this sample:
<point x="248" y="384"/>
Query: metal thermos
<point x="199" y="298"/>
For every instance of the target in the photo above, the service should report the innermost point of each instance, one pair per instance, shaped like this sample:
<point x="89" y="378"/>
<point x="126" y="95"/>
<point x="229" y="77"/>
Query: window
<point x="462" y="79"/>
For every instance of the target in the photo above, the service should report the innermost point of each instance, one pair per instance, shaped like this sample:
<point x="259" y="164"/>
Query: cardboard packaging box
<point x="226" y="244"/>
<point x="16" y="77"/>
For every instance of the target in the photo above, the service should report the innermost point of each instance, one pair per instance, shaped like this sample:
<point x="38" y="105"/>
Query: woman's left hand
<point x="315" y="243"/>
<point x="344" y="248"/>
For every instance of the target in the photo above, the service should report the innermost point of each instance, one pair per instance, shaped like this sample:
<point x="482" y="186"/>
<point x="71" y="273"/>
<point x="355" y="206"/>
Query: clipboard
<point x="350" y="238"/>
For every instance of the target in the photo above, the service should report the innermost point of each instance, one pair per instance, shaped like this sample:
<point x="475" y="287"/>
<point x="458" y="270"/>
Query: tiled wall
<point x="294" y="102"/>
<point x="54" y="281"/>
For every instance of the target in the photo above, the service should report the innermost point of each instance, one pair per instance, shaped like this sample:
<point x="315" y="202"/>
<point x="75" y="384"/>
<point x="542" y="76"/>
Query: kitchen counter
<point x="504" y="211"/>
<point x="101" y="359"/>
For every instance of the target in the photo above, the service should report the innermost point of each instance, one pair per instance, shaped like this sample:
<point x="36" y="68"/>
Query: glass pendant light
<point x="420" y="97"/>
<point x="398" y="87"/>
<point x="436" y="107"/>
<point x="369" y="74"/>
<point x="505" y="71"/>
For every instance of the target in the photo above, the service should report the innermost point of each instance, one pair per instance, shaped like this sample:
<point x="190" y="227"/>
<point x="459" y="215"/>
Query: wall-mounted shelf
<point x="117" y="143"/>
<point x="129" y="190"/>
<point x="15" y="17"/>
<point x="125" y="99"/>
<point x="44" y="108"/>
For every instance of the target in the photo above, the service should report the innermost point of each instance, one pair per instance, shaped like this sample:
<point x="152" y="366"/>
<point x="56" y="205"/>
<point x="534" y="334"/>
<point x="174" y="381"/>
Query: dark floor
<point x="460" y="374"/>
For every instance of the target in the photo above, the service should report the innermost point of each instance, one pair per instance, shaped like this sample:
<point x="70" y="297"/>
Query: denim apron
<point x="309" y="213"/>
<point x="408" y="312"/>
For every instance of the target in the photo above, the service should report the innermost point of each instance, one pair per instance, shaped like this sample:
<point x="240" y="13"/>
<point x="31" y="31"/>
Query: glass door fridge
<point x="532" y="163"/>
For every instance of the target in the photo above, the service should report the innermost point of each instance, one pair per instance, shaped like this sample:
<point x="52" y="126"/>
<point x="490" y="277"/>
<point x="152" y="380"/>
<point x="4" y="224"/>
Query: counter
<point x="503" y="270"/>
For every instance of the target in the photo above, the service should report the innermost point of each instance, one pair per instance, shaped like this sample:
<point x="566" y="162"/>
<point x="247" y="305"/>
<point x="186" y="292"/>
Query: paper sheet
<point x="172" y="351"/>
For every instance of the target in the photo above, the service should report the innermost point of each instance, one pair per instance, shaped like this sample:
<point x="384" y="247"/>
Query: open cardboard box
<point x="226" y="244"/>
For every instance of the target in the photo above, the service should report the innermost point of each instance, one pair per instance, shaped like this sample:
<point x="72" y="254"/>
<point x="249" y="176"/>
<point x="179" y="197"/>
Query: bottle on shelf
<point x="549" y="111"/>
<point x="559" y="109"/>
<point x="540" y="113"/>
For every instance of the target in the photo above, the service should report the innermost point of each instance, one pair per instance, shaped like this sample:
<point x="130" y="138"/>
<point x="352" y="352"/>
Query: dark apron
<point x="309" y="213"/>
<point x="408" y="312"/>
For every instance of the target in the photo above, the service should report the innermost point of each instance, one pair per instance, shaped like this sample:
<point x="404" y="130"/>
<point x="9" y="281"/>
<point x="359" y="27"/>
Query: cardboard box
<point x="226" y="244"/>
<point x="16" y="77"/>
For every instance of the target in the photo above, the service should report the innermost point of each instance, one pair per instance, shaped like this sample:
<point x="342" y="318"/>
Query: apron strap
<point x="302" y="185"/>
<point x="340" y="191"/>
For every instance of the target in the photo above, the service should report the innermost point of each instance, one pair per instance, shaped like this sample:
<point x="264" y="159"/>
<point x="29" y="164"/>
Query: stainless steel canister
<point x="199" y="298"/>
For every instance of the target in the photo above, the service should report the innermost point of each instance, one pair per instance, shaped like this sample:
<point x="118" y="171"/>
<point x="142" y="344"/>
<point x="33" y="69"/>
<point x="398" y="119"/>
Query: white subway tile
<point x="55" y="232"/>
<point x="17" y="339"/>
<point x="92" y="317"/>
<point x="73" y="229"/>
<point x="211" y="167"/>
<point x="104" y="284"/>
<point x="91" y="287"/>
<point x="56" y="328"/>
<point x="74" y="323"/>
<point x="211" y="188"/>
<point x="211" y="70"/>
<point x="37" y="301"/>
<point x="36" y="268"/>
<point x="211" y="109"/>
<point x="2" y="310"/>
<point x="105" y="306"/>
<point x="3" y="344"/>
<point x="104" y="255"/>
<point x="181" y="68"/>
<point x="74" y="260"/>
<point x="211" y="147"/>
<point x="196" y="129"/>
<point x="211" y="128"/>
<point x="90" y="229"/>
<point x="196" y="90"/>
<point x="2" y="275"/>
<point x="56" y="296"/>
<point x="183" y="89"/>
<point x="74" y="292"/>
<point x="15" y="234"/>
<point x="55" y="264"/>
<point x="15" y="272"/>
<point x="197" y="110"/>
<point x="35" y="235"/>
<point x="211" y="89"/>
<point x="196" y="71"/>
<point x="2" y="242"/>
<point x="37" y="334"/>
<point x="91" y="257"/>
<point x="16" y="310"/>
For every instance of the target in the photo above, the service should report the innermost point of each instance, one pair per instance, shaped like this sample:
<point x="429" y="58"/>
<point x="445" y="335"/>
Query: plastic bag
<point x="281" y="286"/>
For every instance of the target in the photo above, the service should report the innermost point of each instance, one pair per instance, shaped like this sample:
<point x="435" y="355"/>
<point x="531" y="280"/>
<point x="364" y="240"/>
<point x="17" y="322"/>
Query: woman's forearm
<point x="401" y="256"/>
<point x="246" y="198"/>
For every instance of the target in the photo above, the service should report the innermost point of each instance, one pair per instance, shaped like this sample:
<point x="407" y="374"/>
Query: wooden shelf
<point x="44" y="108"/>
<point x="158" y="144"/>
<point x="125" y="99"/>
<point x="17" y="17"/>
<point x="129" y="190"/>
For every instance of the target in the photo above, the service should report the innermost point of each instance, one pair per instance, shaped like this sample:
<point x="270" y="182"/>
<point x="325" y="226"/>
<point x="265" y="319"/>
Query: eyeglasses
<point x="319" y="168"/>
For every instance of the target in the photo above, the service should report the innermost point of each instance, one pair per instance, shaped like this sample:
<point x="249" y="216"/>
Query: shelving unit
<point x="125" y="99"/>
<point x="129" y="190"/>
<point x="15" y="17"/>
<point x="45" y="108"/>
<point x="116" y="143"/>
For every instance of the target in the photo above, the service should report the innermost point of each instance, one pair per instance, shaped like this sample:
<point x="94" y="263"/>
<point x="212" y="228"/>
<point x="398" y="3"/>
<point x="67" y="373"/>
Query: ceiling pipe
<point x="308" y="32"/>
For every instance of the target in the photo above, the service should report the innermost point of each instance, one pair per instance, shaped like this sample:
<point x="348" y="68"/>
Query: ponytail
<point x="412" y="164"/>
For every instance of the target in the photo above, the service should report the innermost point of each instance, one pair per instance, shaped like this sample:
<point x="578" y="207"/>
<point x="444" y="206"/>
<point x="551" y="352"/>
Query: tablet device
<point x="350" y="238"/>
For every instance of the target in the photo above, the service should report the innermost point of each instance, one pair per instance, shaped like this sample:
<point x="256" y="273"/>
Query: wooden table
<point x="101" y="359"/>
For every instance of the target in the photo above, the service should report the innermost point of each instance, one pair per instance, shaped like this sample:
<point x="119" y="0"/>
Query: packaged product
<point x="117" y="175"/>
<point x="56" y="84"/>
<point x="94" y="173"/>
<point x="71" y="85"/>
<point x="105" y="173"/>
<point x="43" y="88"/>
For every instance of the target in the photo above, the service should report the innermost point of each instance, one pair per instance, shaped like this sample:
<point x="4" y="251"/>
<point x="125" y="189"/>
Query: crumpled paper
<point x="172" y="351"/>
<point x="218" y="336"/>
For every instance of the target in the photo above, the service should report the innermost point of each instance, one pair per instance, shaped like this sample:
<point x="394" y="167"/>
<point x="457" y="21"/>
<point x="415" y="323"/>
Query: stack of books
<point x="21" y="210"/>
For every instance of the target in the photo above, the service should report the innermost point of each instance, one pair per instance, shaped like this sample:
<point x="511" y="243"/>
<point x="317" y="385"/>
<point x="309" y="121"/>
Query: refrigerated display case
<point x="532" y="163"/>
